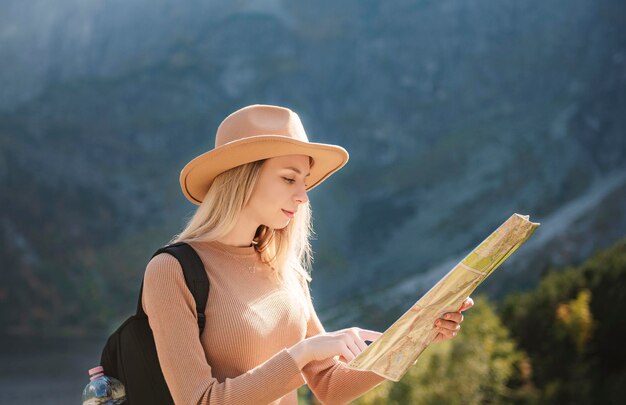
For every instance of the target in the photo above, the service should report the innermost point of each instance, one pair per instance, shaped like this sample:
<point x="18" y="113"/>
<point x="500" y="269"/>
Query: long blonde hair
<point x="287" y="251"/>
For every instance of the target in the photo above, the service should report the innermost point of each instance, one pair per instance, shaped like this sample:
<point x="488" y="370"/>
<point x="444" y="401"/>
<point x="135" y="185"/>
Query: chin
<point x="278" y="224"/>
<point x="282" y="226"/>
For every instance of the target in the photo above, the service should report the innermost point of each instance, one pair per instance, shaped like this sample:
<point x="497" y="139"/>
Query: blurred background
<point x="456" y="113"/>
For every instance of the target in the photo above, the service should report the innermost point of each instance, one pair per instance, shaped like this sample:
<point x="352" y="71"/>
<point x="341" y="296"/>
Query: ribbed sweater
<point x="241" y="357"/>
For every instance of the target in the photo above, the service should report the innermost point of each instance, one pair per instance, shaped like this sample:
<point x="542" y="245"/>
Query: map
<point x="392" y="354"/>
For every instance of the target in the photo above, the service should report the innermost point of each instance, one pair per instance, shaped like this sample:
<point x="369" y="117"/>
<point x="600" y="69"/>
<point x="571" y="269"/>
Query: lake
<point x="46" y="371"/>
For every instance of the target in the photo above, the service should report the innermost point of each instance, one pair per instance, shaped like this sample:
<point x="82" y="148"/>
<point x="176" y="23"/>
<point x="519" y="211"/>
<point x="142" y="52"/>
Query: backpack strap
<point x="195" y="278"/>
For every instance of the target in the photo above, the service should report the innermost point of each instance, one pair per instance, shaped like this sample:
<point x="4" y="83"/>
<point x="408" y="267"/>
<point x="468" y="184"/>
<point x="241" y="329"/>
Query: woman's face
<point x="279" y="191"/>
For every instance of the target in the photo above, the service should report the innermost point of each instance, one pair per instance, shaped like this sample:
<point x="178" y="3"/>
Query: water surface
<point x="46" y="371"/>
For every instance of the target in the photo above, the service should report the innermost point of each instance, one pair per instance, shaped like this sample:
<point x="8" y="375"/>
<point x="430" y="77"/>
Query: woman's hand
<point x="345" y="343"/>
<point x="450" y="323"/>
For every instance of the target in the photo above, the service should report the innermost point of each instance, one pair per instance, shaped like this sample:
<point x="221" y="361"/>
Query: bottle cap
<point x="96" y="372"/>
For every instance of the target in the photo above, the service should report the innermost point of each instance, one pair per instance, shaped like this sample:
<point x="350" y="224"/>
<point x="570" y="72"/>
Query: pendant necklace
<point x="251" y="268"/>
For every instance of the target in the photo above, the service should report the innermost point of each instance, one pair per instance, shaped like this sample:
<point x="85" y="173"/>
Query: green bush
<point x="573" y="328"/>
<point x="481" y="365"/>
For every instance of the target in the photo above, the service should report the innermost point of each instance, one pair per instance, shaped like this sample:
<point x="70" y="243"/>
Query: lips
<point x="289" y="214"/>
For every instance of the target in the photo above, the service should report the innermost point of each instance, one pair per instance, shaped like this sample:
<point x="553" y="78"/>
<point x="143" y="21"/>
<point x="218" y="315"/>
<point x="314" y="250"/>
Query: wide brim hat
<point x="258" y="132"/>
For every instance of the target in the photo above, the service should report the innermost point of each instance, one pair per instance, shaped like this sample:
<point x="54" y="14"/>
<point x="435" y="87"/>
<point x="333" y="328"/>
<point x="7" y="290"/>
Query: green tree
<point x="572" y="326"/>
<point x="574" y="321"/>
<point x="481" y="365"/>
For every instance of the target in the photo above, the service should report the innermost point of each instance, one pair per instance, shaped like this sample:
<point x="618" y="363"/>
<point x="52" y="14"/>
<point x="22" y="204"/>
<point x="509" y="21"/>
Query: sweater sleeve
<point x="172" y="317"/>
<point x="331" y="380"/>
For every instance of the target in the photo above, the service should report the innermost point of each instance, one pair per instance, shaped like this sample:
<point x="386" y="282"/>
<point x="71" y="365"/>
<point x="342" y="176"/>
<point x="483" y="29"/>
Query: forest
<point x="560" y="343"/>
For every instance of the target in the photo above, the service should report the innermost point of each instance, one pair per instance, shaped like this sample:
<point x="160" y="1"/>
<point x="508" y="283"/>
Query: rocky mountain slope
<point x="456" y="114"/>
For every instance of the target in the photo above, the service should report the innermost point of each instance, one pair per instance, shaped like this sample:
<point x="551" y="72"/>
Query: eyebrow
<point x="296" y="170"/>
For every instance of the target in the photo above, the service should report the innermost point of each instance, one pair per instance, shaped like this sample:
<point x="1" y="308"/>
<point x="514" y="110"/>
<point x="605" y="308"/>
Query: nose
<point x="301" y="197"/>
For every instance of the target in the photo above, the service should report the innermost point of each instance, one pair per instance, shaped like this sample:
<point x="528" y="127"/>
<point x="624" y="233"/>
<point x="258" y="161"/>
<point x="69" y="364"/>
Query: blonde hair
<point x="287" y="251"/>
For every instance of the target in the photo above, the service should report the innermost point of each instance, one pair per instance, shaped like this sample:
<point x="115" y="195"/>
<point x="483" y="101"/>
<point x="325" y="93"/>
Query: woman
<point x="263" y="338"/>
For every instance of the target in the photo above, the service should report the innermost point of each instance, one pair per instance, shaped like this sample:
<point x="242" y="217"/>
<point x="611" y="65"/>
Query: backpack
<point x="130" y="353"/>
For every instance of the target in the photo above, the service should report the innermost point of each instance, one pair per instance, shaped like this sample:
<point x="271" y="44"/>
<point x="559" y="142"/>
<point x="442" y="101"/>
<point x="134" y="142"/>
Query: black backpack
<point x="130" y="353"/>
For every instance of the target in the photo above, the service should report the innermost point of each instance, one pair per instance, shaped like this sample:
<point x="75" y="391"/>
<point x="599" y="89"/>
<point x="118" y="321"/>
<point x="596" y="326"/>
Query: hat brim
<point x="197" y="175"/>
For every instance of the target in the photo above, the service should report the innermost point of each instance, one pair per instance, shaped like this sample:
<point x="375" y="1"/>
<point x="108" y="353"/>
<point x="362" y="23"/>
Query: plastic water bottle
<point x="103" y="390"/>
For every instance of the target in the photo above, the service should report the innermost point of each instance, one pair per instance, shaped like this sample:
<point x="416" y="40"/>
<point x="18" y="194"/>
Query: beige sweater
<point x="241" y="357"/>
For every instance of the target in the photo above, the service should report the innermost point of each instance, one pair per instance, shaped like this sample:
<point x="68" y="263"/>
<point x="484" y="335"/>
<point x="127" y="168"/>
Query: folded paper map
<point x="392" y="354"/>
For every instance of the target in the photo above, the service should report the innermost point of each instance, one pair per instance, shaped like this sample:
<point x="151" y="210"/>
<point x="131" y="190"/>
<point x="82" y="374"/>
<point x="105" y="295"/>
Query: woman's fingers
<point x="370" y="335"/>
<point x="357" y="337"/>
<point x="446" y="328"/>
<point x="353" y="341"/>
<point x="360" y="345"/>
<point x="354" y="348"/>
<point x="453" y="316"/>
<point x="363" y="334"/>
<point x="346" y="355"/>
<point x="467" y="304"/>
<point x="448" y="325"/>
<point x="447" y="333"/>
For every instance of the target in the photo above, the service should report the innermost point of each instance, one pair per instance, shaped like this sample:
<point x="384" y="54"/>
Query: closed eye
<point x="288" y="180"/>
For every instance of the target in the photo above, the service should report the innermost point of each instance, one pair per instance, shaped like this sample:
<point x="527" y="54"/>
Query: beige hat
<point x="254" y="133"/>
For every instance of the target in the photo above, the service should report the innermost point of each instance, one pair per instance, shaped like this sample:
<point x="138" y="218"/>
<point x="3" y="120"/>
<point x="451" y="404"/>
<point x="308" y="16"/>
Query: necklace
<point x="251" y="268"/>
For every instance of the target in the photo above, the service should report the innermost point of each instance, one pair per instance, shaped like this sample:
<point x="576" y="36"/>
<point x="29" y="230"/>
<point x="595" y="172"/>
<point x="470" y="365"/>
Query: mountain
<point x="456" y="114"/>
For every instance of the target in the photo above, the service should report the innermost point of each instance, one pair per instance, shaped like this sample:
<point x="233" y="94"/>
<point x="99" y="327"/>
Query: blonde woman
<point x="262" y="338"/>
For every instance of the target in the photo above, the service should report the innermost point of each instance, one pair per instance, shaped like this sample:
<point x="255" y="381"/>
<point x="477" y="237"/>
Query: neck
<point x="241" y="235"/>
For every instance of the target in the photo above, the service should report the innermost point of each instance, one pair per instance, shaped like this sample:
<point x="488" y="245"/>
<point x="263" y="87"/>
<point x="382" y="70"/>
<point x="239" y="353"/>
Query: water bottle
<point x="103" y="390"/>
